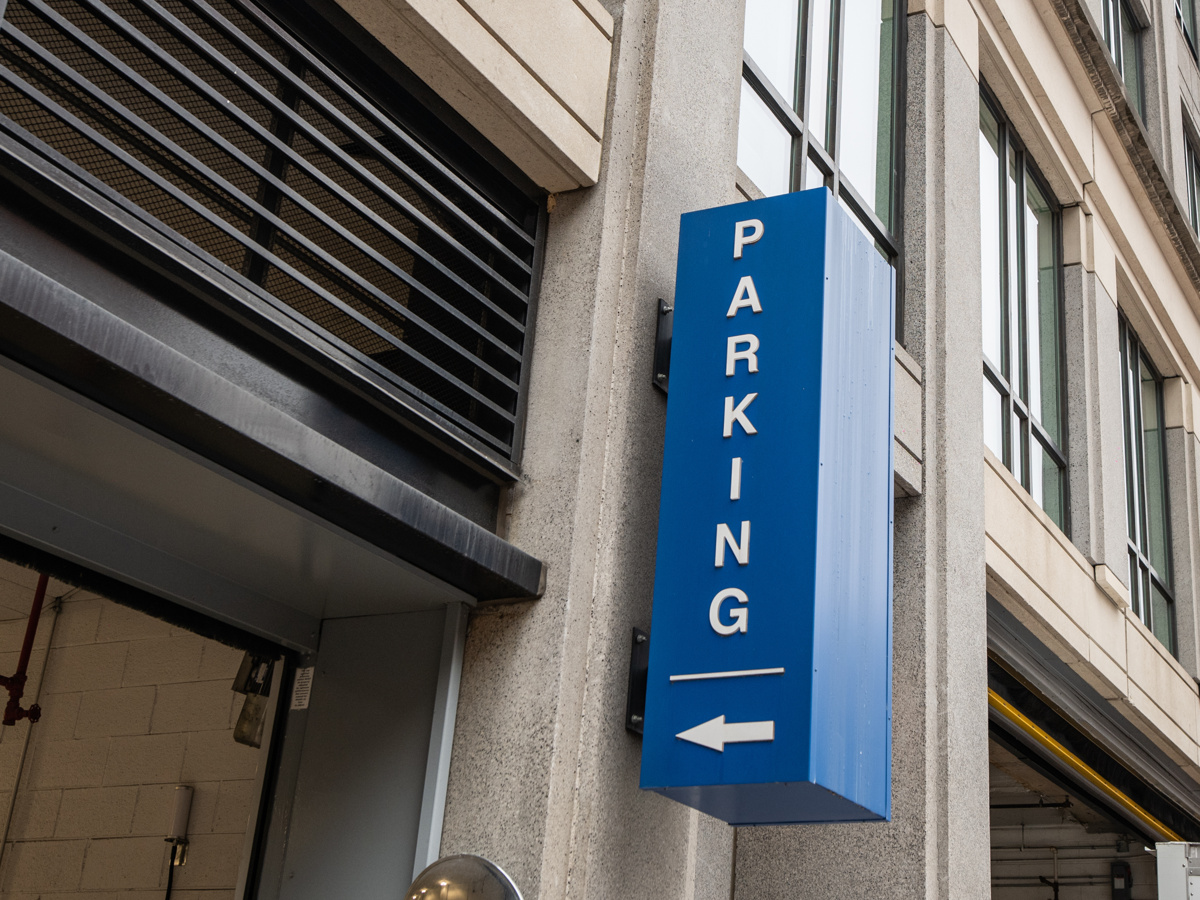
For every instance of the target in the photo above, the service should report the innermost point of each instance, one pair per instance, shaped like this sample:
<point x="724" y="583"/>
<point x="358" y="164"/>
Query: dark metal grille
<point x="212" y="119"/>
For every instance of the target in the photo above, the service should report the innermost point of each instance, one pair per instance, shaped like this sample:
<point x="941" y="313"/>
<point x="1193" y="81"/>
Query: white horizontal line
<point x="740" y="673"/>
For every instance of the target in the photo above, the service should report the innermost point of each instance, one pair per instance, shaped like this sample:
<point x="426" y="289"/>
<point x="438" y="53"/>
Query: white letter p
<point x="741" y="238"/>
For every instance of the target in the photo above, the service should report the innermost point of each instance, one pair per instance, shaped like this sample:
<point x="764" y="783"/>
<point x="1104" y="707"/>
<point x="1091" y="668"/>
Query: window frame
<point x="1187" y="22"/>
<point x="1010" y="389"/>
<point x="1115" y="37"/>
<point x="1191" y="173"/>
<point x="806" y="149"/>
<point x="1147" y="578"/>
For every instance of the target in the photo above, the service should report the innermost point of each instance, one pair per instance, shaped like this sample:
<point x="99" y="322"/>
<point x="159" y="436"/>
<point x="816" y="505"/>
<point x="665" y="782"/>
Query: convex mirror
<point x="463" y="877"/>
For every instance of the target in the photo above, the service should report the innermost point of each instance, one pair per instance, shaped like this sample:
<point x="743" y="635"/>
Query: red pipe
<point x="16" y="682"/>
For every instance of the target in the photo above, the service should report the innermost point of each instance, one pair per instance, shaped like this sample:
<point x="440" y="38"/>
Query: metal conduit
<point x="1022" y="722"/>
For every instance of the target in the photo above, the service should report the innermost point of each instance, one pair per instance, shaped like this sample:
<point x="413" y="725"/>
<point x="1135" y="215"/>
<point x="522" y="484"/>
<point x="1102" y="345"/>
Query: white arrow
<point x="716" y="733"/>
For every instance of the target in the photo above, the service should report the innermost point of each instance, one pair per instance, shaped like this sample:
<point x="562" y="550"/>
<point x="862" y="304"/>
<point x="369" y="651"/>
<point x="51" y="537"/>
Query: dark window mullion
<point x="1005" y="250"/>
<point x="835" y="80"/>
<point x="865" y="214"/>
<point x="1135" y="389"/>
<point x="995" y="377"/>
<point x="803" y="54"/>
<point x="1022" y="376"/>
<point x="771" y="97"/>
<point x="1047" y="442"/>
<point x="796" y="180"/>
<point x="1127" y="415"/>
<point x="1021" y="465"/>
<point x="1162" y="463"/>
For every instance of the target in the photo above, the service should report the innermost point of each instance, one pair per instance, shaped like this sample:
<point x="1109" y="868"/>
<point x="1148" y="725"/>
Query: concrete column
<point x="1160" y="55"/>
<point x="1095" y="437"/>
<point x="937" y="844"/>
<point x="1183" y="479"/>
<point x="544" y="779"/>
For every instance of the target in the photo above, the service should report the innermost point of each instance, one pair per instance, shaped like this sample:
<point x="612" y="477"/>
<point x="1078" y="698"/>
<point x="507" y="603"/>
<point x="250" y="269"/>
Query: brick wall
<point x="131" y="707"/>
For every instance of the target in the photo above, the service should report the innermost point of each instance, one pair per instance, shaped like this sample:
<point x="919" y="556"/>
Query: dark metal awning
<point x="122" y="453"/>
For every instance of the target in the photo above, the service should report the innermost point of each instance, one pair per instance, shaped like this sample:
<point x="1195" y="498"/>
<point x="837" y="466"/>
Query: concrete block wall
<point x="131" y="707"/>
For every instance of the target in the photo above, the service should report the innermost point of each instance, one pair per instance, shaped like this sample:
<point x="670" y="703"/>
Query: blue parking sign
<point x="769" y="688"/>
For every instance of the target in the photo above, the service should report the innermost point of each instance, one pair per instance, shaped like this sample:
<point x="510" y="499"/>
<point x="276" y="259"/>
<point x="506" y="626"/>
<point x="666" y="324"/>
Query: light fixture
<point x="178" y="830"/>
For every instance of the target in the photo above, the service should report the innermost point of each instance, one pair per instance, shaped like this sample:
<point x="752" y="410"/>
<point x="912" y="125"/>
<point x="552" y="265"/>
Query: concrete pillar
<point x="937" y="844"/>
<point x="1183" y="485"/>
<point x="1095" y="439"/>
<point x="544" y="779"/>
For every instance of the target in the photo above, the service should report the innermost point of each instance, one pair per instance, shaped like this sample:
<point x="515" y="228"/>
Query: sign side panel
<point x="852" y="654"/>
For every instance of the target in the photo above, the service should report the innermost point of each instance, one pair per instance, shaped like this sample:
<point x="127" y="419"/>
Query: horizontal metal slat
<point x="166" y="143"/>
<point x="180" y="196"/>
<point x="294" y="158"/>
<point x="317" y="101"/>
<point x="39" y="166"/>
<point x="350" y="94"/>
<point x="262" y="173"/>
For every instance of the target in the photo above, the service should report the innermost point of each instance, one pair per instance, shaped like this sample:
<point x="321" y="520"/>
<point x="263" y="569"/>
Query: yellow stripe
<point x="1094" y="778"/>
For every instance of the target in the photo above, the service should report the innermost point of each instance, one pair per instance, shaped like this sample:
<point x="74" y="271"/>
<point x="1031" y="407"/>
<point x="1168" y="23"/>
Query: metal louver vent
<point x="212" y="119"/>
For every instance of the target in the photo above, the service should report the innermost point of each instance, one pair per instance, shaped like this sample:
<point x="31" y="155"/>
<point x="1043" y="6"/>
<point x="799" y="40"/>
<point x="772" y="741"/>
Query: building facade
<point x="327" y="338"/>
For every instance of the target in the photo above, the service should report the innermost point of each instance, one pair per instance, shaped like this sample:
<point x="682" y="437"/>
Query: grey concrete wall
<point x="1182" y="480"/>
<point x="544" y="780"/>
<point x="1095" y="443"/>
<point x="937" y="844"/>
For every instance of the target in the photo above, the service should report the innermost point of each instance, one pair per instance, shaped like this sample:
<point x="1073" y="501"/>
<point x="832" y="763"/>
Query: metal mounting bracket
<point x="639" y="666"/>
<point x="662" y="345"/>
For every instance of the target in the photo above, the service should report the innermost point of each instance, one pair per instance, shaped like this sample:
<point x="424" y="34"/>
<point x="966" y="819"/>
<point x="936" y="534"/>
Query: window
<point x="1123" y="36"/>
<point x="1024" y="423"/>
<point x="1185" y="12"/>
<point x="1192" y="169"/>
<point x="819" y="104"/>
<point x="1146" y="491"/>
<point x="222" y="132"/>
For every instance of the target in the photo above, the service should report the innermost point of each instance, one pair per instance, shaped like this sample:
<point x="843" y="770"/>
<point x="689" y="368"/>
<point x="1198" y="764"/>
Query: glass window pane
<point x="1132" y="463"/>
<point x="1018" y="437"/>
<point x="1155" y="487"/>
<point x="1015" y="367"/>
<point x="813" y="176"/>
<point x="1162" y="618"/>
<point x="1110" y="31"/>
<point x="857" y="221"/>
<point x="1187" y="14"/>
<point x="1144" y="591"/>
<point x="993" y="419"/>
<point x="1048" y="483"/>
<point x="819" y="60"/>
<point x="772" y="40"/>
<point x="1135" y="601"/>
<point x="865" y="106"/>
<point x="1042" y="318"/>
<point x="1193" y="183"/>
<point x="989" y="221"/>
<point x="1036" y="475"/>
<point x="764" y="145"/>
